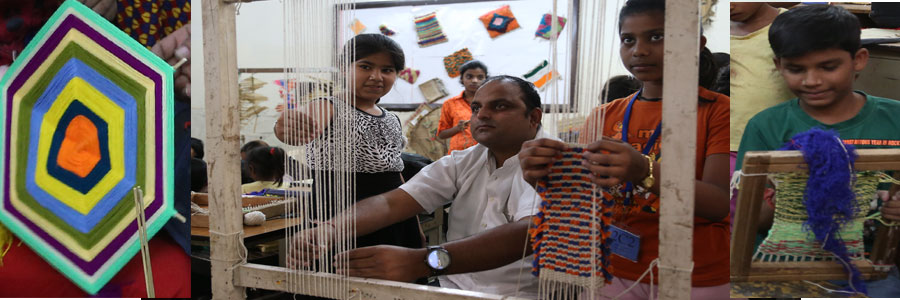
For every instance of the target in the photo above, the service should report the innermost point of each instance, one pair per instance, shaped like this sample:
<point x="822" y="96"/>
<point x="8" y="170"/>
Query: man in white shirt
<point x="491" y="211"/>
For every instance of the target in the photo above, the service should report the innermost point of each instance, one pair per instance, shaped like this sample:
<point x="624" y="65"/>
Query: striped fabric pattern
<point x="571" y="231"/>
<point x="541" y="75"/>
<point x="429" y="30"/>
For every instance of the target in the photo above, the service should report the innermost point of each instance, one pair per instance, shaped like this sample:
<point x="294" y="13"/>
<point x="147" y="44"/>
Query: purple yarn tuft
<point x="829" y="196"/>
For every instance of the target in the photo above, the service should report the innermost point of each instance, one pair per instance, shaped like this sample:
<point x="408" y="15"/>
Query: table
<point x="271" y="230"/>
<point x="784" y="289"/>
<point x="880" y="77"/>
<point x="267" y="229"/>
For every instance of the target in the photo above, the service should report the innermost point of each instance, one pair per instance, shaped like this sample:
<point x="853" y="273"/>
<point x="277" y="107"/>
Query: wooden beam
<point x="261" y="70"/>
<point x="324" y="285"/>
<point x="887" y="239"/>
<point x="814" y="270"/>
<point x="743" y="232"/>
<point x="679" y="140"/>
<point x="223" y="134"/>
<point x="758" y="162"/>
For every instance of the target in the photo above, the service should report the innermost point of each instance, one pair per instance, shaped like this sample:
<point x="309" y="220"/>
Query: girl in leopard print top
<point x="374" y="135"/>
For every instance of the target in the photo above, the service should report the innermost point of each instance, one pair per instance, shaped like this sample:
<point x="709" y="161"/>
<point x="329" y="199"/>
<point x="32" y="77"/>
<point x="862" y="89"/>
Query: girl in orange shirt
<point x="455" y="112"/>
<point x="626" y="160"/>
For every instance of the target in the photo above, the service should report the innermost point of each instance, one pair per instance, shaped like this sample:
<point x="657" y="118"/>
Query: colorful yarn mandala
<point x="571" y="230"/>
<point x="88" y="114"/>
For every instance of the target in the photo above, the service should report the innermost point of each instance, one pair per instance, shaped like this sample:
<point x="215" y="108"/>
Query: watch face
<point x="438" y="259"/>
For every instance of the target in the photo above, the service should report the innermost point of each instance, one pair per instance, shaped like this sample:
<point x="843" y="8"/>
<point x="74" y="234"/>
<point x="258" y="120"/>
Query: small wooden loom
<point x="230" y="274"/>
<point x="750" y="197"/>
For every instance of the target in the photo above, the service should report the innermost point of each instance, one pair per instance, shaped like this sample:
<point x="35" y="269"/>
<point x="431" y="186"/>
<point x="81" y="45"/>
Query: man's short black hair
<point x="529" y="93"/>
<point x="814" y="27"/>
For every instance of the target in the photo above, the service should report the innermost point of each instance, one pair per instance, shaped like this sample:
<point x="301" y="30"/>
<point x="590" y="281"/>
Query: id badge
<point x="624" y="243"/>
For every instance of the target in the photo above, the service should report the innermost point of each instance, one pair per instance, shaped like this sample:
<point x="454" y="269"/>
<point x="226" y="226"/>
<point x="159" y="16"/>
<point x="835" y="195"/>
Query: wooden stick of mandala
<point x="142" y="235"/>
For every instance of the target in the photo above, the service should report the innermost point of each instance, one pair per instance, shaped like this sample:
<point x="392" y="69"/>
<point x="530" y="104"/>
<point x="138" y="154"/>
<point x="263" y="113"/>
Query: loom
<point x="231" y="274"/>
<point x="789" y="256"/>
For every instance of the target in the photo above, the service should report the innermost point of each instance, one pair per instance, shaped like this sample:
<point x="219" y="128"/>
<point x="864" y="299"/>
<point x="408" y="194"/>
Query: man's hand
<point x="172" y="48"/>
<point x="383" y="262"/>
<point x="890" y="208"/>
<point x="309" y="245"/>
<point x="537" y="156"/>
<point x="620" y="163"/>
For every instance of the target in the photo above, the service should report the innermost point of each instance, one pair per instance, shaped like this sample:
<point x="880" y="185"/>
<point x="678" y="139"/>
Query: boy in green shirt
<point x="817" y="51"/>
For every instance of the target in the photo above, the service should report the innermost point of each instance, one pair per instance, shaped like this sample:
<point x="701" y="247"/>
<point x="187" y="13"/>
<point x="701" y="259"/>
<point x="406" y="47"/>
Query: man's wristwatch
<point x="648" y="181"/>
<point x="437" y="259"/>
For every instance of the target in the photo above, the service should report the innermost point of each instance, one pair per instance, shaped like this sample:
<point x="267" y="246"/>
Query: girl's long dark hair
<point x="268" y="163"/>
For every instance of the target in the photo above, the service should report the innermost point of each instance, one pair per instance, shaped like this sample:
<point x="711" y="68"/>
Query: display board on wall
<point x="456" y="25"/>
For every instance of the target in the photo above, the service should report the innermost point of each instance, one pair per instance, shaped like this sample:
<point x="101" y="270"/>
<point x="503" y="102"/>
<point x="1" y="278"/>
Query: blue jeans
<point x="884" y="288"/>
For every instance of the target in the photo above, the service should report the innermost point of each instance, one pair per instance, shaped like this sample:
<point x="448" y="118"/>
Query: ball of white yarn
<point x="254" y="218"/>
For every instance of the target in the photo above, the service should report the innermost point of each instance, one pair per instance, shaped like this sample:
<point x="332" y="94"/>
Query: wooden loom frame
<point x="750" y="197"/>
<point x="230" y="276"/>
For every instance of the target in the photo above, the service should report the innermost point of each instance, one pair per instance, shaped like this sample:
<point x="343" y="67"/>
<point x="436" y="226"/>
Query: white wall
<point x="513" y="53"/>
<point x="260" y="45"/>
<point x="198" y="111"/>
<point x="717" y="34"/>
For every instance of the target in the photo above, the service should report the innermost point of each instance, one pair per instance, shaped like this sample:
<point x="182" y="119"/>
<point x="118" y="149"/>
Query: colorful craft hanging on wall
<point x="357" y="26"/>
<point x="453" y="61"/>
<point x="409" y="75"/>
<point x="433" y="90"/>
<point x="541" y="75"/>
<point x="429" y="30"/>
<point x="87" y="116"/>
<point x="284" y="86"/>
<point x="544" y="29"/>
<point x="572" y="229"/>
<point x="499" y="21"/>
<point x="386" y="31"/>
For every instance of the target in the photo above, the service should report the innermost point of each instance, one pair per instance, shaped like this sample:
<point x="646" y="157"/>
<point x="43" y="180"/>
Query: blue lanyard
<point x="653" y="137"/>
<point x="650" y="142"/>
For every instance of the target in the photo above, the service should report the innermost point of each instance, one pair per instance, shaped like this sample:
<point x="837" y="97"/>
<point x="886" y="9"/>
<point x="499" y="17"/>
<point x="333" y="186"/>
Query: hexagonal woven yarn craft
<point x="87" y="115"/>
